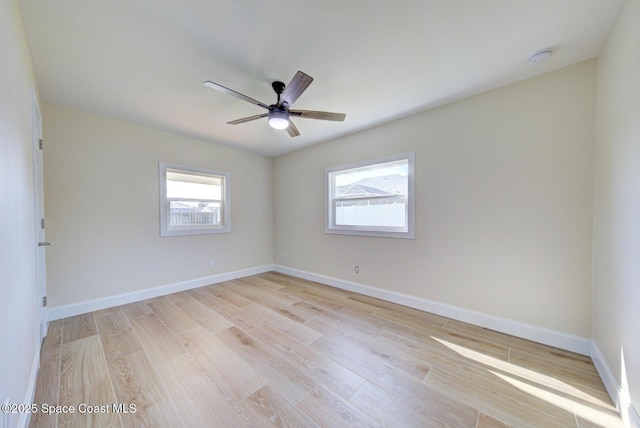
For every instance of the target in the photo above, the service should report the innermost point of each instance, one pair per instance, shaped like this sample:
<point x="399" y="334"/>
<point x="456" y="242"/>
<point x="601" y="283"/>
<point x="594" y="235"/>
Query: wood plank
<point x="416" y="315"/>
<point x="174" y="319"/>
<point x="404" y="363"/>
<point x="317" y="303"/>
<point x="295" y="330"/>
<point x="428" y="350"/>
<point x="82" y="364"/>
<point x="194" y="309"/>
<point x="136" y="309"/>
<point x="259" y="281"/>
<point x="292" y="312"/>
<point x="485" y="421"/>
<point x="266" y="407"/>
<point x="227" y="296"/>
<point x="379" y="404"/>
<point x="122" y="343"/>
<point x="339" y="325"/>
<point x="286" y="280"/>
<point x="235" y="377"/>
<point x="323" y="370"/>
<point x="230" y="312"/>
<point x="329" y="410"/>
<point x="201" y="402"/>
<point x="408" y="316"/>
<point x="290" y="381"/>
<point x="176" y="297"/>
<point x="159" y="343"/>
<point x="326" y="292"/>
<point x="78" y="327"/>
<point x="255" y="292"/>
<point x="107" y="310"/>
<point x="204" y="316"/>
<point x="136" y="382"/>
<point x="116" y="334"/>
<point x="355" y="308"/>
<point x="113" y="322"/>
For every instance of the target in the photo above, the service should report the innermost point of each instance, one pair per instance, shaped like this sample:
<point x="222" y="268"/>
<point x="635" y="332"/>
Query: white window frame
<point x="407" y="232"/>
<point x="166" y="229"/>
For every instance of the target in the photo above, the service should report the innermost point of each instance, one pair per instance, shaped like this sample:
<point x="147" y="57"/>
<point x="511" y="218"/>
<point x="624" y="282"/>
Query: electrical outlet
<point x="212" y="263"/>
<point x="357" y="269"/>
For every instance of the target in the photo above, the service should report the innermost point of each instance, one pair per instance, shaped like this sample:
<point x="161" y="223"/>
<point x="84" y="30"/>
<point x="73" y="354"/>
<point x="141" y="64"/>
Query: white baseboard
<point x="25" y="418"/>
<point x="580" y="345"/>
<point x="625" y="408"/>
<point x="59" y="312"/>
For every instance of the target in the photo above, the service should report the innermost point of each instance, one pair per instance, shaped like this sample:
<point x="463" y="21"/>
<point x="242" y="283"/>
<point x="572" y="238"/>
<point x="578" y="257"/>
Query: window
<point x="373" y="198"/>
<point x="193" y="201"/>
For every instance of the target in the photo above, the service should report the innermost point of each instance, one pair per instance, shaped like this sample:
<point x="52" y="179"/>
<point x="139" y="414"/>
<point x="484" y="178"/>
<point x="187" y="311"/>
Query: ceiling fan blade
<point x="247" y="119"/>
<point x="294" y="89"/>
<point x="322" y="115"/>
<point x="292" y="129"/>
<point x="233" y="93"/>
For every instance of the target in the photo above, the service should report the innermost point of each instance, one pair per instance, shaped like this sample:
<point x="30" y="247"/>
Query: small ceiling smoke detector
<point x="541" y="56"/>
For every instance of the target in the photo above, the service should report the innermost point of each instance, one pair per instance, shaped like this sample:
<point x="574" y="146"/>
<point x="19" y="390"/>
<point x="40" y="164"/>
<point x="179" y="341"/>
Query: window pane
<point x="374" y="195"/>
<point x="193" y="186"/>
<point x="180" y="189"/>
<point x="375" y="180"/>
<point x="388" y="212"/>
<point x="189" y="213"/>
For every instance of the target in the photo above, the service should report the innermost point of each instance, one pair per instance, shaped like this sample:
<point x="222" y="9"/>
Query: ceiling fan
<point x="279" y="113"/>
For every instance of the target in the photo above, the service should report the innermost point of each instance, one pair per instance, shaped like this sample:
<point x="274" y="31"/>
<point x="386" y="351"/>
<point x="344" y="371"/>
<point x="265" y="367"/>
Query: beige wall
<point x="17" y="217"/>
<point x="101" y="200"/>
<point x="617" y="207"/>
<point x="504" y="201"/>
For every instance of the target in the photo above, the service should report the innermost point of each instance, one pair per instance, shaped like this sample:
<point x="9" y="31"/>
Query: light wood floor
<point x="273" y="350"/>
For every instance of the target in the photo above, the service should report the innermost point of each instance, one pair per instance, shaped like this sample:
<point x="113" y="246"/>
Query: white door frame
<point x="39" y="223"/>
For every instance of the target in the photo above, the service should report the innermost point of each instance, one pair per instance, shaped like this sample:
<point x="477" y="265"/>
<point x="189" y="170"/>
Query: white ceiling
<point x="144" y="61"/>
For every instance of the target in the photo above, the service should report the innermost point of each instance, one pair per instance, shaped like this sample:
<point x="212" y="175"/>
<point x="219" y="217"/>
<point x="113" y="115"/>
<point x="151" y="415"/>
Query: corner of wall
<point x="618" y="395"/>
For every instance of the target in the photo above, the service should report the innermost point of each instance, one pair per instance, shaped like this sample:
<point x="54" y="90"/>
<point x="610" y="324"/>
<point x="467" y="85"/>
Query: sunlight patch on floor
<point x="591" y="414"/>
<point x="524" y="373"/>
<point x="596" y="410"/>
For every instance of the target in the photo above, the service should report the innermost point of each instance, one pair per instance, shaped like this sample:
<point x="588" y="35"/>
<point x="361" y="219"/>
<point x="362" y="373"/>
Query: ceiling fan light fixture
<point x="278" y="119"/>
